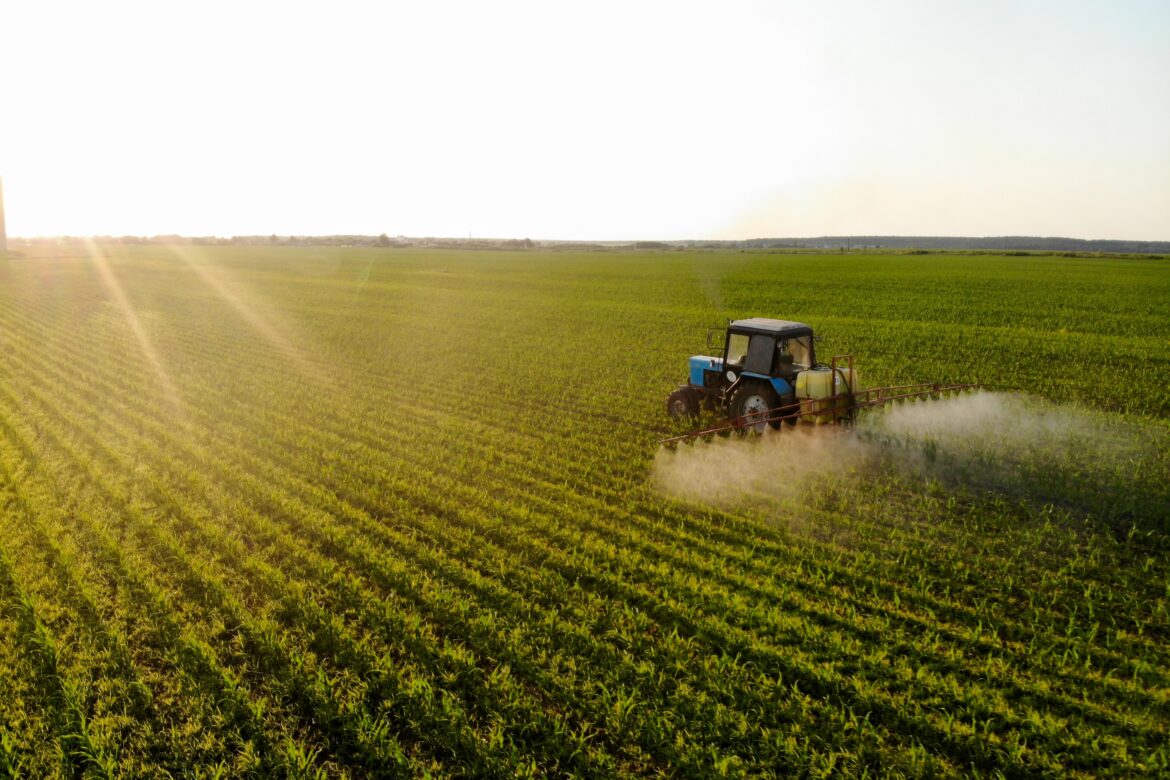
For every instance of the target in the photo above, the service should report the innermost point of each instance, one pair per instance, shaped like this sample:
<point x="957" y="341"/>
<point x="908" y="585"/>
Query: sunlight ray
<point x="248" y="308"/>
<point x="109" y="279"/>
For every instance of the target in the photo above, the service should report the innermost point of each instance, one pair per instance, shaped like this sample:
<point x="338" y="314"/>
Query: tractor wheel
<point x="789" y="401"/>
<point x="682" y="403"/>
<point x="751" y="401"/>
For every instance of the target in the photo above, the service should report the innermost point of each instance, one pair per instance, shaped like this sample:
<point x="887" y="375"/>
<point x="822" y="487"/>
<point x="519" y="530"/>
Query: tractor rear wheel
<point x="682" y="403"/>
<point x="751" y="402"/>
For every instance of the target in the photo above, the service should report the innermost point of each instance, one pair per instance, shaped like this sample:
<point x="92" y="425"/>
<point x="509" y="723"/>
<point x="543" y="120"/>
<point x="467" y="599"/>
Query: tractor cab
<point x="768" y="348"/>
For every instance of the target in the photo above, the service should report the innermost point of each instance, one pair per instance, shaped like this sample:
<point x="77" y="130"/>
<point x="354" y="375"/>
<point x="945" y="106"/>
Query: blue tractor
<point x="768" y="374"/>
<point x="755" y="381"/>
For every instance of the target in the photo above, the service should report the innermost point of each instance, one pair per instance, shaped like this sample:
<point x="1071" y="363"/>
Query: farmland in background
<point x="355" y="512"/>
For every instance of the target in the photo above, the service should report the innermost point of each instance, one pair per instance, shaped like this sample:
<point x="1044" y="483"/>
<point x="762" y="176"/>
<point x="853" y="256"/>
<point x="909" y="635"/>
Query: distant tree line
<point x="382" y="240"/>
<point x="992" y="243"/>
<point x="905" y="244"/>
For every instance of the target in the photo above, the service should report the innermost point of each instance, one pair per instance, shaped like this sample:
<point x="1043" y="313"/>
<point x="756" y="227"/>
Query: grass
<point x="352" y="512"/>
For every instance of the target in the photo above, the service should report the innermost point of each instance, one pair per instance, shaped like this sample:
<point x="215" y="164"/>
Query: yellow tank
<point x="817" y="386"/>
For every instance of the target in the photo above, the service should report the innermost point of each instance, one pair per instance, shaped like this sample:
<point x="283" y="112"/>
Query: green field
<point x="346" y="512"/>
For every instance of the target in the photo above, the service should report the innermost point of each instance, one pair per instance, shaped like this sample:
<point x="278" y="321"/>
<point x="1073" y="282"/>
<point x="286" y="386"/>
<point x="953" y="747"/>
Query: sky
<point x="587" y="120"/>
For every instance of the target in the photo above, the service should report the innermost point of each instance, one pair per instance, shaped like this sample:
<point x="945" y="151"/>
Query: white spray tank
<point x="824" y="391"/>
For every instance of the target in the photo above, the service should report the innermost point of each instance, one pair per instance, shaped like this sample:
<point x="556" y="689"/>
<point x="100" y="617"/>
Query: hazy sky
<point x="586" y="120"/>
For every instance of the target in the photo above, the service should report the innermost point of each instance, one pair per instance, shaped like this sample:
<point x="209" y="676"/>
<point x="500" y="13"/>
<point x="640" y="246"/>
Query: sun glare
<point x="109" y="279"/>
<point x="260" y="317"/>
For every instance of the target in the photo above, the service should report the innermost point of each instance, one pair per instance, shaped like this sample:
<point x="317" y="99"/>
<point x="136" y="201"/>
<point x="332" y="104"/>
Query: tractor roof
<point x="770" y="326"/>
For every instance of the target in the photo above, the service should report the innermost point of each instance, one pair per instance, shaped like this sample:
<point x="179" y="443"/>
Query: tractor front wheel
<point x="682" y="403"/>
<point x="750" y="404"/>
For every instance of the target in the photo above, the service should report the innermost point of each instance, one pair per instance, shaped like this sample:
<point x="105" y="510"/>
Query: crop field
<point x="304" y="512"/>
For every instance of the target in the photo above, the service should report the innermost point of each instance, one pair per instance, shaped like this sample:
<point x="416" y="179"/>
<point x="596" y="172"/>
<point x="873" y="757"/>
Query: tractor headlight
<point x="731" y="376"/>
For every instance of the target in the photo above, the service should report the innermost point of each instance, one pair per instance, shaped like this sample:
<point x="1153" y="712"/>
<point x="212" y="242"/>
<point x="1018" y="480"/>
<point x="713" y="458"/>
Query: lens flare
<point x="109" y="279"/>
<point x="249" y="308"/>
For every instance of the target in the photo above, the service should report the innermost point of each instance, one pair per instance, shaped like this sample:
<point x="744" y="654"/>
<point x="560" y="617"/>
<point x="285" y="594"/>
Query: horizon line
<point x="157" y="237"/>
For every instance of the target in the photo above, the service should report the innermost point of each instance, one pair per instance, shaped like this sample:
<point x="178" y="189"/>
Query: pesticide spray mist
<point x="992" y="443"/>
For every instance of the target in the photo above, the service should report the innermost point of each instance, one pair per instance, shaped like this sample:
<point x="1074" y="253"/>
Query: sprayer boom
<point x="840" y="408"/>
<point x="769" y="374"/>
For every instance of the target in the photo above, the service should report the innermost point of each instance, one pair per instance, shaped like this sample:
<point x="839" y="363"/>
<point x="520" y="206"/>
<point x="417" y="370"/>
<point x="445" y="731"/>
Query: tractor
<point x="768" y="375"/>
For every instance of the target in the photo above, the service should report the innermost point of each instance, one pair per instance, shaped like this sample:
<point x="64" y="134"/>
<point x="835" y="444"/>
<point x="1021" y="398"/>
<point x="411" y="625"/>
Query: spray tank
<point x="824" y="391"/>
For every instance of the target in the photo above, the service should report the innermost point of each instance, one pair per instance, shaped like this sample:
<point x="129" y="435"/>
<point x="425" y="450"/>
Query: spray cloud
<point x="1001" y="443"/>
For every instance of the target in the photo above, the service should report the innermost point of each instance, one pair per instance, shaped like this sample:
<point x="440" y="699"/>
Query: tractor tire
<point x="788" y="401"/>
<point x="682" y="403"/>
<point x="751" y="402"/>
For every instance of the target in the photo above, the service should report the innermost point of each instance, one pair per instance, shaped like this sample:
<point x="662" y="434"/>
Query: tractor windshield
<point x="737" y="349"/>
